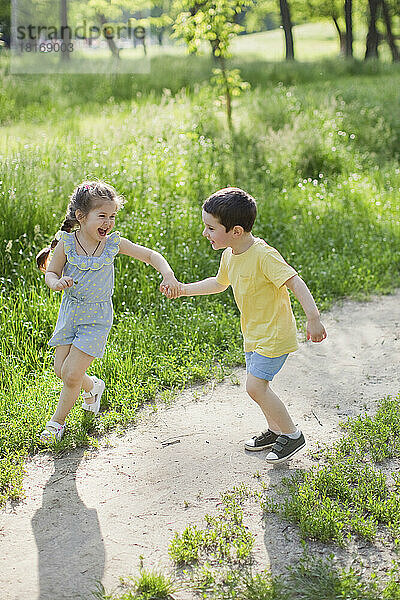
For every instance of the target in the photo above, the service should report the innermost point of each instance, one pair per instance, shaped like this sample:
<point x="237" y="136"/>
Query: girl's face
<point x="98" y="223"/>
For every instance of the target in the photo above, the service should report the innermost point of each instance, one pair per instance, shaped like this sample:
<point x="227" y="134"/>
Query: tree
<point x="387" y="17"/>
<point x="105" y="17"/>
<point x="161" y="18"/>
<point x="339" y="11"/>
<point x="287" y="27"/>
<point x="274" y="10"/>
<point x="213" y="21"/>
<point x="348" y="12"/>
<point x="371" y="49"/>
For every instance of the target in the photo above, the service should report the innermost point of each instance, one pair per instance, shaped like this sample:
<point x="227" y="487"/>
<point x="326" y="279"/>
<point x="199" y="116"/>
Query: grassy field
<point x="316" y="143"/>
<point x="320" y="158"/>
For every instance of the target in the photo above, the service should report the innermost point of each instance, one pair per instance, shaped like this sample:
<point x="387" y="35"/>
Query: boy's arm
<point x="156" y="260"/>
<point x="315" y="329"/>
<point x="205" y="286"/>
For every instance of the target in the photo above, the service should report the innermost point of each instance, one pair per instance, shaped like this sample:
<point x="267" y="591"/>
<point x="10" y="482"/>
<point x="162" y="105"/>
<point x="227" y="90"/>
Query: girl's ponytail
<point x="42" y="259"/>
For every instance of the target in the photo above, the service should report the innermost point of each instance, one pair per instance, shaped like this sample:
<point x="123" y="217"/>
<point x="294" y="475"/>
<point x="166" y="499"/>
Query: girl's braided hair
<point x="84" y="198"/>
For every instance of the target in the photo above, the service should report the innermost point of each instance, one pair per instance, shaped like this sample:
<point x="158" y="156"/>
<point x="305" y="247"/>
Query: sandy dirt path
<point x="90" y="516"/>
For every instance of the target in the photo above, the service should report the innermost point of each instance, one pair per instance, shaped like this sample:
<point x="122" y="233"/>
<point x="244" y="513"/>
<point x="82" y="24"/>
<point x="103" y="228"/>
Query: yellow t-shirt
<point x="257" y="277"/>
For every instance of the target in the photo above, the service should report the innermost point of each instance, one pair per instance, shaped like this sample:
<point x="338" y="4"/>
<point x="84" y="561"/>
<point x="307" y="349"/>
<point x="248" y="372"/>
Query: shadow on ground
<point x="66" y="531"/>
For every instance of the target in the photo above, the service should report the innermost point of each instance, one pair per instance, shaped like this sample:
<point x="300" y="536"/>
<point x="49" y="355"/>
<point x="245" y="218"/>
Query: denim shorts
<point x="264" y="367"/>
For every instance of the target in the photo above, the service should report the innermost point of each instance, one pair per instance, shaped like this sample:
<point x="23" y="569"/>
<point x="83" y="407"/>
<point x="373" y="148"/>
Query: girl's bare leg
<point x="59" y="358"/>
<point x="273" y="408"/>
<point x="72" y="374"/>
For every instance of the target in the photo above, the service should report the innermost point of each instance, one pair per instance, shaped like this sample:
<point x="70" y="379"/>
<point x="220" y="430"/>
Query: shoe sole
<point x="258" y="448"/>
<point x="283" y="459"/>
<point x="98" y="401"/>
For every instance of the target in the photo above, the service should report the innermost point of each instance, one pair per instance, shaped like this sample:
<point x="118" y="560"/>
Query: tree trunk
<point x="228" y="97"/>
<point x="65" y="31"/>
<point x="371" y="50"/>
<point x="214" y="47"/>
<point x="110" y="40"/>
<point x="348" y="12"/>
<point x="390" y="38"/>
<point x="287" y="27"/>
<point x="342" y="37"/>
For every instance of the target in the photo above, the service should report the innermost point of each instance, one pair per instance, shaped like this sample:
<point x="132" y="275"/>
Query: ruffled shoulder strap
<point x="112" y="244"/>
<point x="69" y="242"/>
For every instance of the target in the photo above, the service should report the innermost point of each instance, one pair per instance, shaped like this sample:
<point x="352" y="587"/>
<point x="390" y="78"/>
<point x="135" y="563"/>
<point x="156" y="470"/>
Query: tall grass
<point x="38" y="98"/>
<point x="321" y="161"/>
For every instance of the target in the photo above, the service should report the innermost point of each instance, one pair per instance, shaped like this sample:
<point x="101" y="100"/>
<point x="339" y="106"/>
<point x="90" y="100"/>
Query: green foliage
<point x="315" y="578"/>
<point x="339" y="205"/>
<point x="225" y="539"/>
<point x="221" y="79"/>
<point x="348" y="495"/>
<point x="209" y="20"/>
<point x="310" y="579"/>
<point x="153" y="586"/>
<point x="148" y="585"/>
<point x="214" y="21"/>
<point x="378" y="436"/>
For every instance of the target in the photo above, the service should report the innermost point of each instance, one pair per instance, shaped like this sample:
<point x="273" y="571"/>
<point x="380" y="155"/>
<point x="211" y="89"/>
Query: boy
<point x="259" y="277"/>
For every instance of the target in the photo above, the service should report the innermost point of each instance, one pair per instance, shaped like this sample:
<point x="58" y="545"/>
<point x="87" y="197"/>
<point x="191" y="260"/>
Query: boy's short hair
<point x="232" y="206"/>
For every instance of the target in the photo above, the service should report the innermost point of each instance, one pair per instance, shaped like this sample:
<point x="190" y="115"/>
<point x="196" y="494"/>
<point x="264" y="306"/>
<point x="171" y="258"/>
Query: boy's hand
<point x="315" y="330"/>
<point x="170" y="294"/>
<point x="63" y="283"/>
<point x="170" y="286"/>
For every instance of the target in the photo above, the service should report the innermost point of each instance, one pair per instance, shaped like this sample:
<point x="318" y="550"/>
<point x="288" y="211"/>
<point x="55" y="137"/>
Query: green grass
<point x="311" y="579"/>
<point x="148" y="585"/>
<point x="321" y="159"/>
<point x="347" y="494"/>
<point x="225" y="539"/>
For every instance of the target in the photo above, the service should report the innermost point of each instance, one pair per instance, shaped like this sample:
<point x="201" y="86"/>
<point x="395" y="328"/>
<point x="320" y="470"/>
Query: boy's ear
<point x="237" y="230"/>
<point x="79" y="215"/>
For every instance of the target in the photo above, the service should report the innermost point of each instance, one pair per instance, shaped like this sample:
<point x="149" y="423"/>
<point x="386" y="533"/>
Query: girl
<point x="83" y="267"/>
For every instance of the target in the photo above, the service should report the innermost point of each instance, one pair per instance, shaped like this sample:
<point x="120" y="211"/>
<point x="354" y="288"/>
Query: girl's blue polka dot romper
<point x="86" y="311"/>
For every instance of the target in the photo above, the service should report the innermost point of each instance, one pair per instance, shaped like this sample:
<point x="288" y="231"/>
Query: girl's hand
<point x="315" y="330"/>
<point x="63" y="283"/>
<point x="170" y="286"/>
<point x="166" y="290"/>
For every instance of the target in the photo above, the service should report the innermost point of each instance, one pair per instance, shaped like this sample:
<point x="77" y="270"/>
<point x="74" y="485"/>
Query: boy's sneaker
<point x="284" y="448"/>
<point x="96" y="392"/>
<point x="261" y="442"/>
<point x="52" y="433"/>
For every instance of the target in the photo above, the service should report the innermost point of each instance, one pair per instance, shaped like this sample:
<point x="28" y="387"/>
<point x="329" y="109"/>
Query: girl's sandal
<point x="52" y="433"/>
<point x="96" y="392"/>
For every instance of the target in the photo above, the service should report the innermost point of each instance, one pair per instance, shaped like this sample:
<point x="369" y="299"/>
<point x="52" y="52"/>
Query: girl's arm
<point x="156" y="260"/>
<point x="53" y="277"/>
<point x="315" y="329"/>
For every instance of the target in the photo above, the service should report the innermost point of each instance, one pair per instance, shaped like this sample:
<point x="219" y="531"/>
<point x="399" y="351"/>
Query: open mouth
<point x="102" y="232"/>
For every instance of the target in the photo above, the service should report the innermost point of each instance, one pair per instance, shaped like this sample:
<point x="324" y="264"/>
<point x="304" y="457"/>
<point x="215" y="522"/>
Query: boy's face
<point x="215" y="232"/>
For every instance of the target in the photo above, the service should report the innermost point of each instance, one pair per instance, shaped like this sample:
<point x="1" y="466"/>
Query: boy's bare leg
<point x="273" y="408"/>
<point x="60" y="355"/>
<point x="72" y="373"/>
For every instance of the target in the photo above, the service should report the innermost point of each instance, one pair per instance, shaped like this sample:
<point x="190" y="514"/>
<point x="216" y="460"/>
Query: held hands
<point x="63" y="283"/>
<point x="315" y="330"/>
<point x="171" y="287"/>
